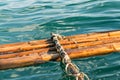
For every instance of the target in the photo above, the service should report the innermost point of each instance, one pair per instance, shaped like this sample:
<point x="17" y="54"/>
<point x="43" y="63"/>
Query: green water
<point x="25" y="20"/>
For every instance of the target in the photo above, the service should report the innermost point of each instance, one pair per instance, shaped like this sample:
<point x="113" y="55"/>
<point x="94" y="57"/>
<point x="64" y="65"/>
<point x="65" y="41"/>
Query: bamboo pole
<point x="78" y="46"/>
<point x="20" y="54"/>
<point x="22" y="48"/>
<point x="32" y="59"/>
<point x="66" y="47"/>
<point x="39" y="44"/>
<point x="36" y="58"/>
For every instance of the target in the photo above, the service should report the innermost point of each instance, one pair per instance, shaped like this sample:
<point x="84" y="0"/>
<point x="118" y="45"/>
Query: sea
<point x="26" y="20"/>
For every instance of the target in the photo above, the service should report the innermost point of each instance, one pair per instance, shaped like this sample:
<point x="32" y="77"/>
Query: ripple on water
<point x="25" y="20"/>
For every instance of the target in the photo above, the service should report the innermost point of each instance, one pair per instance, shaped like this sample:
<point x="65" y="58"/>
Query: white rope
<point x="70" y="68"/>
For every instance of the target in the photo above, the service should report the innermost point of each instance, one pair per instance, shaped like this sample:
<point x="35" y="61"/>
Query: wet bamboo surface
<point x="39" y="44"/>
<point x="66" y="47"/>
<point x="77" y="46"/>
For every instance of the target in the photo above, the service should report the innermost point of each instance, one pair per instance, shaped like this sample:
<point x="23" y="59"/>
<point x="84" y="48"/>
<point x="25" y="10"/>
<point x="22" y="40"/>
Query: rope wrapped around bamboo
<point x="79" y="50"/>
<point x="70" y="68"/>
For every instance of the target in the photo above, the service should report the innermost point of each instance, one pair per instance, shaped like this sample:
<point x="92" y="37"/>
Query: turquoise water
<point x="25" y="20"/>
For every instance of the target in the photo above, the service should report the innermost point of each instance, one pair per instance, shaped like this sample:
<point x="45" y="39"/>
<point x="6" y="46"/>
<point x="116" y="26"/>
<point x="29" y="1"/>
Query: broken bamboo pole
<point x="39" y="44"/>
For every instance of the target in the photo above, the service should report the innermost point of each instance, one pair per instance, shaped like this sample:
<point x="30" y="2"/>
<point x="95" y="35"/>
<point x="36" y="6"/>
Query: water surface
<point x="25" y="20"/>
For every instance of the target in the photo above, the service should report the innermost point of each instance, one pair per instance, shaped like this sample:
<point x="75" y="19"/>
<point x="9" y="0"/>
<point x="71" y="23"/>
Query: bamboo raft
<point x="40" y="51"/>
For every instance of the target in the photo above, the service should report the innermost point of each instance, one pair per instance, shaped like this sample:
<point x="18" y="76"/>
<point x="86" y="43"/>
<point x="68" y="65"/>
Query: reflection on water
<point x="25" y="20"/>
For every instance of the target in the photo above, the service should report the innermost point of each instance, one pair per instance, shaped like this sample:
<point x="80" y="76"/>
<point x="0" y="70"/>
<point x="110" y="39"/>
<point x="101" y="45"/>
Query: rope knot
<point x="59" y="37"/>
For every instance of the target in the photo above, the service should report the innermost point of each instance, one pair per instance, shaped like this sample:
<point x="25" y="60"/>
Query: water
<point x="25" y="20"/>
